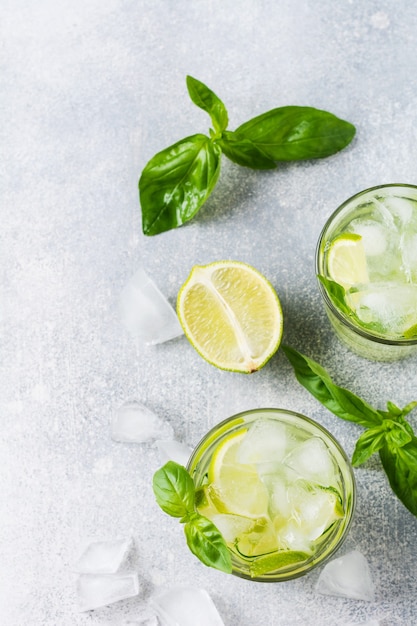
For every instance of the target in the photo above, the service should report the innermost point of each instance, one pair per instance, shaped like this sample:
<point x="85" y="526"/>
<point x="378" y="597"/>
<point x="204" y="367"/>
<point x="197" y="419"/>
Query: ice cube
<point x="392" y="307"/>
<point x="96" y="590"/>
<point x="311" y="460"/>
<point x="348" y="576"/>
<point x="146" y="312"/>
<point x="103" y="556"/>
<point x="374" y="236"/>
<point x="265" y="442"/>
<point x="408" y="247"/>
<point x="186" y="606"/>
<point x="133" y="422"/>
<point x="400" y="208"/>
<point x="231" y="526"/>
<point x="172" y="450"/>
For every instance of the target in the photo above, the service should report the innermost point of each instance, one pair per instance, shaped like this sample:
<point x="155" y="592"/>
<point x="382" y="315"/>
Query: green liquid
<point x="382" y="324"/>
<point x="284" y="501"/>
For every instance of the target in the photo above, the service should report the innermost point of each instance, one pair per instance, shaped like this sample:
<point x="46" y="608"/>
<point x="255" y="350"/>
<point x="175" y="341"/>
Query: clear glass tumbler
<point x="366" y="262"/>
<point x="280" y="489"/>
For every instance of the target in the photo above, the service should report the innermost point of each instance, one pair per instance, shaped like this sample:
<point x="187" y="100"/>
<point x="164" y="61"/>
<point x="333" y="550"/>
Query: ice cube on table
<point x="348" y="576"/>
<point x="311" y="460"/>
<point x="265" y="442"/>
<point x="186" y="606"/>
<point x="133" y="422"/>
<point x="172" y="450"/>
<point x="146" y="312"/>
<point x="103" y="556"/>
<point x="96" y="590"/>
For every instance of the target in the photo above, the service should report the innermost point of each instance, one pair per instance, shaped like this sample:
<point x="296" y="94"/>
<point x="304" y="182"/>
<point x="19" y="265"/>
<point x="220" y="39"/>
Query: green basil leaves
<point x="175" y="493"/>
<point x="294" y="133"/>
<point x="177" y="181"/>
<point x="388" y="433"/>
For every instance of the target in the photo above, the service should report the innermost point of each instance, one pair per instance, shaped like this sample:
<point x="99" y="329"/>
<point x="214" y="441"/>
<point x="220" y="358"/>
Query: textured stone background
<point x="90" y="90"/>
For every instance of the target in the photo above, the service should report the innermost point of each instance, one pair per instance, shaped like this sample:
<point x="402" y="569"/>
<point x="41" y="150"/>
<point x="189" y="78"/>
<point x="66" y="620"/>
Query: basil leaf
<point x="207" y="100"/>
<point x="400" y="466"/>
<point x="174" y="490"/>
<point x="244" y="152"/>
<point x="409" y="407"/>
<point x="176" y="182"/>
<point x="336" y="293"/>
<point x="294" y="133"/>
<point x="208" y="545"/>
<point x="339" y="401"/>
<point x="368" y="443"/>
<point x="397" y="435"/>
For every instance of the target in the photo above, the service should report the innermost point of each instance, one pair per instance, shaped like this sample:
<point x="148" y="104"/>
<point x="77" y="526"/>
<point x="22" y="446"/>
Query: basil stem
<point x="175" y="493"/>
<point x="388" y="433"/>
<point x="176" y="182"/>
<point x="293" y="133"/>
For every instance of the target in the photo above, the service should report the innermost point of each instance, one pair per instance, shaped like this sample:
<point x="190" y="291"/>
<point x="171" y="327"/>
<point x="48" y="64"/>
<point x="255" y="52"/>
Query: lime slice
<point x="346" y="260"/>
<point x="231" y="315"/>
<point x="259" y="540"/>
<point x="204" y="503"/>
<point x="236" y="488"/>
<point x="276" y="561"/>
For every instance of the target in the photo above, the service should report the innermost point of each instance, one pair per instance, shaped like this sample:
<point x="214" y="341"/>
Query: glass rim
<point x="329" y="303"/>
<point x="220" y="426"/>
<point x="220" y="429"/>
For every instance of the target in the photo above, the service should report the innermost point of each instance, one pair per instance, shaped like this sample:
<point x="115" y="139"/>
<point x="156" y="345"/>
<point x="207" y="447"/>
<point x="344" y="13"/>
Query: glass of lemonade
<point x="278" y="487"/>
<point x="366" y="262"/>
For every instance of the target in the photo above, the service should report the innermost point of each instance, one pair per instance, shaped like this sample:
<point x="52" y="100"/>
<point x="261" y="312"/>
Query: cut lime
<point x="232" y="526"/>
<point x="231" y="315"/>
<point x="259" y="540"/>
<point x="236" y="487"/>
<point x="204" y="503"/>
<point x="276" y="561"/>
<point x="346" y="260"/>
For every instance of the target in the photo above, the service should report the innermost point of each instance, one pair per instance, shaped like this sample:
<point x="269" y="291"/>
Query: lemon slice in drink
<point x="346" y="260"/>
<point x="231" y="315"/>
<point x="236" y="488"/>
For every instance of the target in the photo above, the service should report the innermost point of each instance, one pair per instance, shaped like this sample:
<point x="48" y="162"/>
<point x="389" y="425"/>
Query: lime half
<point x="231" y="314"/>
<point x="346" y="260"/>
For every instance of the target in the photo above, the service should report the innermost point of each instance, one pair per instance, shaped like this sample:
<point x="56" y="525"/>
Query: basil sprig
<point x="177" y="181"/>
<point x="175" y="493"/>
<point x="387" y="432"/>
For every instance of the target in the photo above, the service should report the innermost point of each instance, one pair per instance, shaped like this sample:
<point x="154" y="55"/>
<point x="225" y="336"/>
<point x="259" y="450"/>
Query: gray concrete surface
<point x="89" y="91"/>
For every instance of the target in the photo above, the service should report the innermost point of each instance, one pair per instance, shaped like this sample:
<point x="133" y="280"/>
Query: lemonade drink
<point x="278" y="487"/>
<point x="367" y="261"/>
